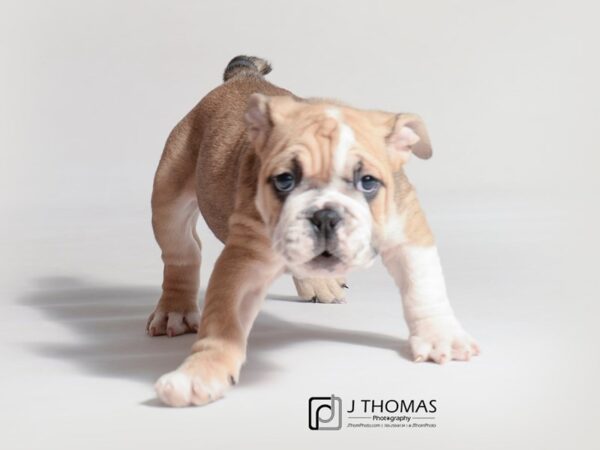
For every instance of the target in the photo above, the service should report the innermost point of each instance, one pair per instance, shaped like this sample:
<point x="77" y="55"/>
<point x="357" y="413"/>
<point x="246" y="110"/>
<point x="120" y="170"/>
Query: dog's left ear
<point x="408" y="135"/>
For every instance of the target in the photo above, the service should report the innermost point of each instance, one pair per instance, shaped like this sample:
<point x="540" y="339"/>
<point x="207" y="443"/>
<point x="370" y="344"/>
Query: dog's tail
<point x="246" y="65"/>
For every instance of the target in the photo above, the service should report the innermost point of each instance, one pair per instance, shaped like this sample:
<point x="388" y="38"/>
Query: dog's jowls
<point x="308" y="186"/>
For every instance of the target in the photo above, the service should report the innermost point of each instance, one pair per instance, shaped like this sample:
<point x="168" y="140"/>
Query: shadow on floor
<point x="109" y="324"/>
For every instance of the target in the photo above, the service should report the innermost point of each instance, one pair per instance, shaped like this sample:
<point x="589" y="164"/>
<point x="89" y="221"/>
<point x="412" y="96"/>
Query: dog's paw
<point x="173" y="322"/>
<point x="203" y="378"/>
<point x="441" y="339"/>
<point x="322" y="290"/>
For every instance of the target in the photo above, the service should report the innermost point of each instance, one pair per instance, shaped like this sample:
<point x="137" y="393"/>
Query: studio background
<point x="509" y="91"/>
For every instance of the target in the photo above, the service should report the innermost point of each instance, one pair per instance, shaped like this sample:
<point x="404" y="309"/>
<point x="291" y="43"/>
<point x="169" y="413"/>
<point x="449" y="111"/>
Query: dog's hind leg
<point x="322" y="290"/>
<point x="174" y="216"/>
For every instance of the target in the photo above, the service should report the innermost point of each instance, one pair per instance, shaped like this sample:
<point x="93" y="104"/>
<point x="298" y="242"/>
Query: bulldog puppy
<point x="306" y="186"/>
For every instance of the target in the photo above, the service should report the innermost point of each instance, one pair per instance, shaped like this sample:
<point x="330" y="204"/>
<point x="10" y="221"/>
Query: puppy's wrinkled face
<point x="325" y="186"/>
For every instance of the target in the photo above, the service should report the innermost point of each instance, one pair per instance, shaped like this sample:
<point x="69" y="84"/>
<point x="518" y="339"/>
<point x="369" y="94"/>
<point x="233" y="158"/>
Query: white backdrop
<point x="510" y="93"/>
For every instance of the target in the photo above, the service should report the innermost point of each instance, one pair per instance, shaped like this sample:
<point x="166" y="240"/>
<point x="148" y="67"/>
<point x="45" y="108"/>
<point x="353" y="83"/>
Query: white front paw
<point x="179" y="388"/>
<point x="203" y="378"/>
<point x="441" y="339"/>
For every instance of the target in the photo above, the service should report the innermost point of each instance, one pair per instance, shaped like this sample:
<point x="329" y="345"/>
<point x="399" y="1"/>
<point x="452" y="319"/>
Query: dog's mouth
<point x="324" y="260"/>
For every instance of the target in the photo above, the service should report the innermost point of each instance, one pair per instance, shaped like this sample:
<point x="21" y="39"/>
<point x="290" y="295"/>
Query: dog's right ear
<point x="263" y="113"/>
<point x="258" y="118"/>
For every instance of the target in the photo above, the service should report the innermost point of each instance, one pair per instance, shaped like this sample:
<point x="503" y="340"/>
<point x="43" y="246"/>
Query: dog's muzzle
<point x="324" y="233"/>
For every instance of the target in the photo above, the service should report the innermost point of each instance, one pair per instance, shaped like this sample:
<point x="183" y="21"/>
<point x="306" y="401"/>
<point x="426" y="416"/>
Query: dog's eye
<point x="368" y="184"/>
<point x="284" y="182"/>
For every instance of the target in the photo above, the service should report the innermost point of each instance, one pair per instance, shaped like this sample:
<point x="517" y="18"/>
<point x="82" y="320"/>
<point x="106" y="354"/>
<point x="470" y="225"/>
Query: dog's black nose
<point x="325" y="220"/>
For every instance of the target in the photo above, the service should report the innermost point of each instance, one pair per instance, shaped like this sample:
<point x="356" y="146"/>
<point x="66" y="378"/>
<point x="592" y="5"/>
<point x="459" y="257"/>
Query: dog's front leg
<point x="435" y="333"/>
<point x="235" y="292"/>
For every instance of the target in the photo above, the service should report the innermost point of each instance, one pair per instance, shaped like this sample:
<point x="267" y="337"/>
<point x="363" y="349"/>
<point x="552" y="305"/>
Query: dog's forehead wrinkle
<point x="346" y="139"/>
